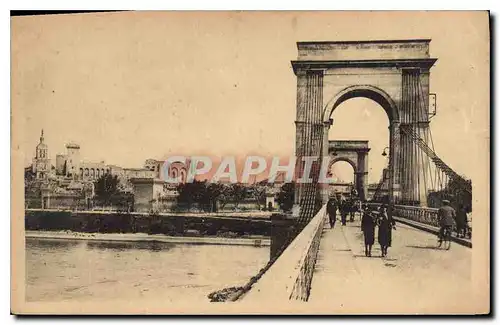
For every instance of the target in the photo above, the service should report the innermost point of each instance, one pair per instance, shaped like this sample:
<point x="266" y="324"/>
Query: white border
<point x="181" y="5"/>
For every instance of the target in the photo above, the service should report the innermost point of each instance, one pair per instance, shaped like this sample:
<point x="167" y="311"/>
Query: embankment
<point x="142" y="237"/>
<point x="190" y="225"/>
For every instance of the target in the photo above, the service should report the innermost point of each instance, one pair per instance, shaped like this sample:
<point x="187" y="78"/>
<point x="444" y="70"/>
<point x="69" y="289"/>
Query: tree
<point x="286" y="196"/>
<point x="201" y="192"/>
<point x="208" y="194"/>
<point x="258" y="192"/>
<point x="29" y="181"/>
<point x="218" y="193"/>
<point x="238" y="193"/>
<point x="31" y="187"/>
<point x="106" y="188"/>
<point x="190" y="193"/>
<point x="455" y="192"/>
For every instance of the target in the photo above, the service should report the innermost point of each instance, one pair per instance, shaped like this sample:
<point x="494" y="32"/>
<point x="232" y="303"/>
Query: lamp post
<point x="391" y="185"/>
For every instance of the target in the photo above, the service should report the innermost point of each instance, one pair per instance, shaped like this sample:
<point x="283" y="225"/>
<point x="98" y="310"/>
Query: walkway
<point x="414" y="277"/>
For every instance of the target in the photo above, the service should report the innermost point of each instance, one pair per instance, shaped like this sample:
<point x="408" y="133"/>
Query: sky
<point x="359" y="119"/>
<point x="138" y="85"/>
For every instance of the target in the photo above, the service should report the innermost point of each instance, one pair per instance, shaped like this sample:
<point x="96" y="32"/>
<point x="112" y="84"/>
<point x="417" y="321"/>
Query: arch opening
<point x="363" y="91"/>
<point x="342" y="170"/>
<point x="360" y="120"/>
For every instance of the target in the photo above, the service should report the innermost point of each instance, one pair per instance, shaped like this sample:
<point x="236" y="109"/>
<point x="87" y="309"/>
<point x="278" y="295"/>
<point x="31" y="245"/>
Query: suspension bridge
<point x="313" y="262"/>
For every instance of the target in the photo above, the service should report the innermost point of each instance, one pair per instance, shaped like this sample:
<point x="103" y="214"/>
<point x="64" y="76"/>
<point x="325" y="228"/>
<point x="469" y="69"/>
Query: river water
<point x="85" y="270"/>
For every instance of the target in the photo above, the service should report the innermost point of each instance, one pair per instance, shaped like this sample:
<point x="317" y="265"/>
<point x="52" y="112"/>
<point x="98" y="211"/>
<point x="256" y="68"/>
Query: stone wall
<point x="168" y="224"/>
<point x="247" y="205"/>
<point x="290" y="277"/>
<point x="60" y="201"/>
<point x="141" y="203"/>
<point x="302" y="286"/>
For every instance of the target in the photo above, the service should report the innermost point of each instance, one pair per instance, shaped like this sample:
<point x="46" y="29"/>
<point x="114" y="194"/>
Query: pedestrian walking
<point x="352" y="209"/>
<point x="368" y="228"/>
<point x="331" y="209"/>
<point x="353" y="204"/>
<point x="359" y="208"/>
<point x="461" y="221"/>
<point x="344" y="210"/>
<point x="385" y="226"/>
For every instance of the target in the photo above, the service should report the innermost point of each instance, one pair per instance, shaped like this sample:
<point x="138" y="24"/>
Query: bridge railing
<point x="289" y="278"/>
<point x="428" y="216"/>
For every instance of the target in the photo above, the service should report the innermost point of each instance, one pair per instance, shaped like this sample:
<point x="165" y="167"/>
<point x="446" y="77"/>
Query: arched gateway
<point x="393" y="73"/>
<point x="354" y="152"/>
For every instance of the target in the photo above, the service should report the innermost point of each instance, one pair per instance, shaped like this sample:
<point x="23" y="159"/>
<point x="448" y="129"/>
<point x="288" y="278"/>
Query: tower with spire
<point x="41" y="163"/>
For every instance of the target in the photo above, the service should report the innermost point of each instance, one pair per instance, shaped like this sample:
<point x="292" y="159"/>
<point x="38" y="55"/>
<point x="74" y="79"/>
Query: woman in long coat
<point x="385" y="230"/>
<point x="461" y="220"/>
<point x="331" y="209"/>
<point x="368" y="228"/>
<point x="344" y="210"/>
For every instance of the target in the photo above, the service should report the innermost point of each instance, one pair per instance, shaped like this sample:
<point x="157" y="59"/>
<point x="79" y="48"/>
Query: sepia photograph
<point x="250" y="162"/>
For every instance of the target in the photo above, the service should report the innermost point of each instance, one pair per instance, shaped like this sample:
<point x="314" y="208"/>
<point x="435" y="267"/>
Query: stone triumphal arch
<point x="354" y="152"/>
<point x="393" y="73"/>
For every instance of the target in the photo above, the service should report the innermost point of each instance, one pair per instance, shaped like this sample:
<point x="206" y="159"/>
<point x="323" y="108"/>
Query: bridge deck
<point x="414" y="277"/>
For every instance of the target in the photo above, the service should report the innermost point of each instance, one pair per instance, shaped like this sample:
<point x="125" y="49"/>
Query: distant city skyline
<point x="128" y="92"/>
<point x="338" y="171"/>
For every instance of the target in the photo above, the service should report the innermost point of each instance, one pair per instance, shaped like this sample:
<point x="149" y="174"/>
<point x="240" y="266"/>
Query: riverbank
<point x="256" y="214"/>
<point x="142" y="237"/>
<point x="174" y="225"/>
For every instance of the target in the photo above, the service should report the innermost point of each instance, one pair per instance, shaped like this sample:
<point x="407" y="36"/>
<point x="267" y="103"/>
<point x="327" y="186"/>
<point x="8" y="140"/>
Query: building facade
<point x="176" y="170"/>
<point x="67" y="184"/>
<point x="41" y="165"/>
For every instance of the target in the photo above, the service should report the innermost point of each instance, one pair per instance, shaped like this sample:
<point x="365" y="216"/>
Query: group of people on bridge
<point x="372" y="217"/>
<point x="450" y="218"/>
<point x="346" y="207"/>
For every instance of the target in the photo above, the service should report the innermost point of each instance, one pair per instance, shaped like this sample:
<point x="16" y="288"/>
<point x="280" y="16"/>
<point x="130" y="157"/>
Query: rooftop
<point x="364" y="53"/>
<point x="137" y="169"/>
<point x="73" y="145"/>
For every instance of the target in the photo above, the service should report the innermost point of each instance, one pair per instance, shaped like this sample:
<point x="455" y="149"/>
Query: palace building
<point x="71" y="175"/>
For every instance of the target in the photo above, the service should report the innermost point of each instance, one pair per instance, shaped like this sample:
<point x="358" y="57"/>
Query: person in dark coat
<point x="368" y="228"/>
<point x="352" y="209"/>
<point x="385" y="226"/>
<point x="461" y="221"/>
<point x="331" y="209"/>
<point x="344" y="210"/>
<point x="446" y="218"/>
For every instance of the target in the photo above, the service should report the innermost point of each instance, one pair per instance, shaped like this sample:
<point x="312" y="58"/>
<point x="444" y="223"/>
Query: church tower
<point x="41" y="163"/>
